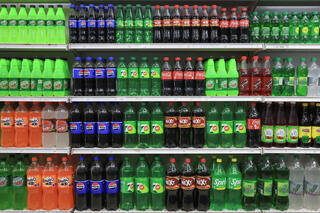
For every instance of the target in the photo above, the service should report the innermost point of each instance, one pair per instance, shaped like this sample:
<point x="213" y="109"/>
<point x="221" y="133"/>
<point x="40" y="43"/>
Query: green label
<point x="143" y="127"/>
<point x="233" y="183"/>
<point x="138" y="23"/>
<point x="304" y="31"/>
<point x="275" y="31"/>
<point x="210" y="83"/>
<point x="22" y="23"/>
<point x="285" y="31"/>
<point x="226" y="127"/>
<point x="13" y="84"/>
<point x="4" y="181"/>
<point x="41" y="23"/>
<point x="47" y="84"/>
<point x="213" y="127"/>
<point x="292" y="134"/>
<point x="289" y="81"/>
<point x="314" y="31"/>
<point x="147" y="23"/>
<point x="282" y="188"/>
<point x="130" y="127"/>
<point x="280" y="134"/>
<point x="249" y="188"/>
<point x="66" y="84"/>
<point x="302" y="81"/>
<point x="155" y="72"/>
<point x="267" y="134"/>
<point x="120" y="23"/>
<point x="133" y="73"/>
<point x="223" y="83"/>
<point x="294" y="31"/>
<point x="255" y="31"/>
<point x="219" y="183"/>
<point x="144" y="73"/>
<point x="32" y="23"/>
<point x="265" y="31"/>
<point x="60" y="23"/>
<point x="157" y="127"/>
<point x="264" y="187"/>
<point x="157" y="184"/>
<point x="58" y="85"/>
<point x="128" y="23"/>
<point x="50" y="23"/>
<point x="142" y="185"/>
<point x="240" y="126"/>
<point x="233" y="83"/>
<point x="25" y="84"/>
<point x="4" y="84"/>
<point x="122" y="72"/>
<point x="126" y="185"/>
<point x="276" y="81"/>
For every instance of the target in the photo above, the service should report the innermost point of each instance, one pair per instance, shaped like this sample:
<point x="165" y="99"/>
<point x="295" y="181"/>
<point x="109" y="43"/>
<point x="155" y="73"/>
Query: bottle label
<point x="18" y="181"/>
<point x="240" y="127"/>
<point x="214" y="23"/>
<point x="4" y="84"/>
<point x="111" y="72"/>
<point x="188" y="75"/>
<point x="302" y="81"/>
<point x="275" y="31"/>
<point x="166" y="75"/>
<point x="12" y="22"/>
<point x="60" y="23"/>
<point x="172" y="183"/>
<point x="267" y="134"/>
<point x="142" y="185"/>
<point x="21" y="122"/>
<point x="143" y="127"/>
<point x="234" y="23"/>
<point x="222" y="83"/>
<point x="219" y="183"/>
<point x="96" y="186"/>
<point x="101" y="23"/>
<point x="7" y="122"/>
<point x="36" y="84"/>
<point x="89" y="73"/>
<point x="187" y="183"/>
<point x="244" y="23"/>
<point x="3" y="23"/>
<point x="127" y="185"/>
<point x="254" y="124"/>
<point x="73" y="23"/>
<point x="312" y="188"/>
<point x="110" y="23"/>
<point x="122" y="72"/>
<point x="266" y="83"/>
<point x="89" y="128"/>
<point x="66" y="84"/>
<point x="4" y="182"/>
<point x="65" y="181"/>
<point x="75" y="127"/>
<point x="255" y="32"/>
<point x="226" y="127"/>
<point x="157" y="184"/>
<point x="13" y="84"/>
<point x="49" y="23"/>
<point x="296" y="188"/>
<point x="177" y="75"/>
<point x="292" y="134"/>
<point x="22" y="23"/>
<point x="157" y="23"/>
<point x="264" y="187"/>
<point x="25" y="84"/>
<point x="120" y="23"/>
<point x="112" y="186"/>
<point x="304" y="31"/>
<point x="198" y="122"/>
<point x="282" y="188"/>
<point x="266" y="32"/>
<point x="147" y="23"/>
<point x="249" y="188"/>
<point x="41" y="23"/>
<point x="130" y="127"/>
<point x="204" y="22"/>
<point x="49" y="181"/>
<point x="166" y="22"/>
<point x="233" y="183"/>
<point x="305" y="134"/>
<point x="210" y="84"/>
<point x="103" y="128"/>
<point x="100" y="73"/>
<point x="316" y="133"/>
<point x="81" y="186"/>
<point x="176" y="22"/>
<point x="200" y="75"/>
<point x="144" y="73"/>
<point x="48" y="126"/>
<point x="224" y="24"/>
<point x="133" y="73"/>
<point x="155" y="72"/>
<point x="58" y="85"/>
<point x="170" y="122"/>
<point x="314" y="31"/>
<point x="233" y="83"/>
<point x="157" y="127"/>
<point x="184" y="122"/>
<point x="294" y="31"/>
<point x="280" y="134"/>
<point x="77" y="73"/>
<point x="34" y="122"/>
<point x="91" y="23"/>
<point x="128" y="23"/>
<point x="213" y="127"/>
<point x="203" y="182"/>
<point x="32" y="181"/>
<point x="285" y="31"/>
<point x="195" y="22"/>
<point x="116" y="127"/>
<point x="47" y="85"/>
<point x="185" y="22"/>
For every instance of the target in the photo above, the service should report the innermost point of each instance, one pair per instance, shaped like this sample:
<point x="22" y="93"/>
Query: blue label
<point x="75" y="127"/>
<point x="103" y="127"/>
<point x="116" y="127"/>
<point x="100" y="72"/>
<point x="81" y="186"/>
<point x="77" y="73"/>
<point x="73" y="24"/>
<point x="111" y="72"/>
<point x="92" y="23"/>
<point x="89" y="127"/>
<point x="112" y="186"/>
<point x="101" y="23"/>
<point x="88" y="73"/>
<point x="111" y="23"/>
<point x="96" y="186"/>
<point x="82" y="23"/>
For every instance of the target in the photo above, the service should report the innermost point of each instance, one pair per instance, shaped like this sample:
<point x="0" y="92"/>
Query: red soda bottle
<point x="234" y="26"/>
<point x="255" y="86"/>
<point x="266" y="77"/>
<point x="244" y="78"/>
<point x="224" y="26"/>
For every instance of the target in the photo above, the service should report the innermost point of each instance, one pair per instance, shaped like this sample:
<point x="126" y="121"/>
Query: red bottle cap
<point x="184" y="103"/>
<point x="61" y="102"/>
<point x="64" y="159"/>
<point x="214" y="6"/>
<point x="171" y="103"/>
<point x="22" y="102"/>
<point x="7" y="102"/>
<point x="177" y="58"/>
<point x="243" y="57"/>
<point x="203" y="160"/>
<point x="187" y="160"/>
<point x="172" y="160"/>
<point x="253" y="103"/>
<point x="199" y="59"/>
<point x="189" y="59"/>
<point x="166" y="58"/>
<point x="166" y="6"/>
<point x="244" y="9"/>
<point x="36" y="102"/>
<point x="204" y="6"/>
<point x="255" y="57"/>
<point x="266" y="58"/>
<point x="157" y="6"/>
<point x="33" y="159"/>
<point x="195" y="6"/>
<point x="233" y="9"/>
<point x="185" y="6"/>
<point x="49" y="159"/>
<point x="176" y="6"/>
<point x="198" y="103"/>
<point x="223" y="9"/>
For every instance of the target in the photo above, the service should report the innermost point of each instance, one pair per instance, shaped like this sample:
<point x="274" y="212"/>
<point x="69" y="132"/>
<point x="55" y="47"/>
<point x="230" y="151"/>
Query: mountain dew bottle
<point x="222" y="77"/>
<point x="50" y="25"/>
<point x="22" y="25"/>
<point x="60" y="26"/>
<point x="144" y="77"/>
<point x="4" y="83"/>
<point x="58" y="78"/>
<point x="233" y="78"/>
<point x="122" y="75"/>
<point x="213" y="126"/>
<point x="211" y="78"/>
<point x="234" y="179"/>
<point x="14" y="75"/>
<point x="226" y="126"/>
<point x="25" y="75"/>
<point x="120" y="25"/>
<point x="5" y="185"/>
<point x="12" y="25"/>
<point x="4" y="24"/>
<point x="157" y="136"/>
<point x="127" y="185"/>
<point x="157" y="185"/>
<point x="32" y="16"/>
<point x="130" y="127"/>
<point x="41" y="26"/>
<point x="19" y="186"/>
<point x="36" y="86"/>
<point x="302" y="76"/>
<point x="155" y="77"/>
<point x="47" y="76"/>
<point x="142" y="185"/>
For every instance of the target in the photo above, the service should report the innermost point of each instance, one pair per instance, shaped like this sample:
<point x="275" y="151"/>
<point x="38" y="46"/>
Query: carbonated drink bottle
<point x="222" y="78"/>
<point x="224" y="26"/>
<point x="316" y="127"/>
<point x="211" y="78"/>
<point x="249" y="185"/>
<point x="244" y="26"/>
<point x="148" y="25"/>
<point x="155" y="77"/>
<point x="280" y="128"/>
<point x="34" y="185"/>
<point x="7" y="125"/>
<point x="233" y="193"/>
<point x="142" y="187"/>
<point x="19" y="186"/>
<point x="77" y="77"/>
<point x="48" y="125"/>
<point x="176" y="24"/>
<point x="41" y="25"/>
<point x="143" y="126"/>
<point x="302" y="78"/>
<point x="244" y="77"/>
<point x="130" y="127"/>
<point x="166" y="78"/>
<point x="60" y="26"/>
<point x="65" y="185"/>
<point x="112" y="185"/>
<point x="188" y="185"/>
<point x="265" y="184"/>
<point x="122" y="75"/>
<point x="305" y="127"/>
<point x="266" y="77"/>
<point x="25" y="74"/>
<point x="185" y="24"/>
<point x="13" y="77"/>
<point x="50" y="25"/>
<point x="294" y="28"/>
<point x="12" y="25"/>
<point x="233" y="78"/>
<point x="293" y="126"/>
<point x="312" y="174"/>
<point x="76" y="126"/>
<point x="254" y="27"/>
<point x="304" y="29"/>
<point x="103" y="126"/>
<point x="178" y="82"/>
<point x="36" y="81"/>
<point x="59" y="78"/>
<point x="172" y="186"/>
<point x="195" y="25"/>
<point x="127" y="185"/>
<point x="184" y="126"/>
<point x="138" y="25"/>
<point x="281" y="185"/>
<point x="267" y="126"/>
<point x="200" y="78"/>
<point x="129" y="25"/>
<point x="111" y="74"/>
<point x="226" y="126"/>
<point x="275" y="29"/>
<point x="89" y="126"/>
<point x="100" y="77"/>
<point x="116" y="126"/>
<point x="73" y="24"/>
<point x="157" y="25"/>
<point x="218" y="188"/>
<point x="256" y="81"/>
<point x="170" y="126"/>
<point x="204" y="23"/>
<point x="31" y="25"/>
<point x="203" y="184"/>
<point x="214" y="25"/>
<point x="198" y="126"/>
<point x="284" y="23"/>
<point x="6" y="188"/>
<point x="4" y="66"/>
<point x="213" y="125"/>
<point x="88" y="74"/>
<point x="133" y="77"/>
<point x="49" y="186"/>
<point x="22" y="25"/>
<point x="96" y="185"/>
<point x="166" y="25"/>
<point x="82" y="188"/>
<point x="120" y="25"/>
<point x="92" y="24"/>
<point x="21" y="126"/>
<point x="265" y="25"/>
<point x="313" y="75"/>
<point x="296" y="178"/>
<point x="4" y="24"/>
<point x="35" y="128"/>
<point x="253" y="126"/>
<point x="188" y="77"/>
<point x="110" y="25"/>
<point x="276" y="77"/>
<point x="144" y="77"/>
<point x="157" y="182"/>
<point x="289" y="78"/>
<point x="234" y="26"/>
<point x="240" y="127"/>
<point x="157" y="136"/>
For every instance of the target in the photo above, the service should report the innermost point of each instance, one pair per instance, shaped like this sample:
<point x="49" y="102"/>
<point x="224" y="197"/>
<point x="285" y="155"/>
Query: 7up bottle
<point x="144" y="75"/>
<point x="133" y="77"/>
<point x="143" y="126"/>
<point x="234" y="177"/>
<point x="157" y="136"/>
<point x="126" y="185"/>
<point x="157" y="185"/>
<point x="142" y="185"/>
<point x="226" y="126"/>
<point x="130" y="127"/>
<point x="213" y="126"/>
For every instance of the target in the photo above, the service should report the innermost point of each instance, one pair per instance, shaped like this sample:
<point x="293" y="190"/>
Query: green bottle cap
<point x="155" y="58"/>
<point x="126" y="158"/>
<point x="289" y="59"/>
<point x="156" y="158"/>
<point x="129" y="5"/>
<point x="285" y="13"/>
<point x="277" y="59"/>
<point x="303" y="59"/>
<point x="314" y="13"/>
<point x="255" y="13"/>
<point x="304" y="13"/>
<point x="138" y="5"/>
<point x="144" y="58"/>
<point x="141" y="158"/>
<point x="267" y="13"/>
<point x="295" y="13"/>
<point x="250" y="158"/>
<point x="133" y="58"/>
<point x="275" y="13"/>
<point x="121" y="58"/>
<point x="119" y="6"/>
<point x="313" y="59"/>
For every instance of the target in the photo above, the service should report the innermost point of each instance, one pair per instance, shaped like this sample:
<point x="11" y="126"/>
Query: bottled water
<point x="296" y="178"/>
<point x="312" y="185"/>
<point x="313" y="78"/>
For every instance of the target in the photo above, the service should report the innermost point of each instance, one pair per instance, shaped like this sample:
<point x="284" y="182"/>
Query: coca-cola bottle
<point x="172" y="186"/>
<point x="195" y="25"/>
<point x="253" y="126"/>
<point x="166" y="78"/>
<point x="203" y="183"/>
<point x="198" y="125"/>
<point x="214" y="25"/>
<point x="188" y="76"/>
<point x="157" y="25"/>
<point x="244" y="26"/>
<point x="234" y="26"/>
<point x="224" y="26"/>
<point x="244" y="77"/>
<point x="178" y="82"/>
<point x="200" y="78"/>
<point x="185" y="23"/>
<point x="176" y="25"/>
<point x="204" y="30"/>
<point x="170" y="126"/>
<point x="187" y="186"/>
<point x="184" y="126"/>
<point x="166" y="25"/>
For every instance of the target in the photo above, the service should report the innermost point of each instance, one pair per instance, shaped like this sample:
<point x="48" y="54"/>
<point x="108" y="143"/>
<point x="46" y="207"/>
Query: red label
<point x="224" y="24"/>
<point x="170" y="122"/>
<point x="214" y="23"/>
<point x="255" y="71"/>
<point x="266" y="72"/>
<point x="187" y="183"/>
<point x="185" y="23"/>
<point x="166" y="23"/>
<point x="204" y="22"/>
<point x="184" y="122"/>
<point x="177" y="75"/>
<point x="157" y="23"/>
<point x="255" y="84"/>
<point x="244" y="84"/>
<point x="61" y="126"/>
<point x="176" y="22"/>
<point x="200" y="75"/>
<point x="243" y="72"/>
<point x="195" y="22"/>
<point x="266" y="84"/>
<point x="172" y="183"/>
<point x="254" y="124"/>
<point x="198" y="122"/>
<point x="188" y="75"/>
<point x="47" y="126"/>
<point x="203" y="182"/>
<point x="234" y="23"/>
<point x="244" y="23"/>
<point x="166" y="75"/>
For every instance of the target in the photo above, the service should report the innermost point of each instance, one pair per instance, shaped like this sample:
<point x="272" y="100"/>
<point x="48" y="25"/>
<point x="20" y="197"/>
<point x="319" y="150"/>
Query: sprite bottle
<point x="226" y="126"/>
<point x="143" y="126"/>
<point x="281" y="185"/>
<point x="294" y="32"/>
<point x="144" y="77"/>
<point x="142" y="185"/>
<point x="265" y="184"/>
<point x="138" y="25"/>
<point x="218" y="187"/>
<point x="304" y="27"/>
<point x="249" y="185"/>
<point x="240" y="127"/>
<point x="148" y="25"/>
<point x="157" y="136"/>
<point x="127" y="185"/>
<point x="130" y="127"/>
<point x="234" y="178"/>
<point x="254" y="27"/>
<point x="314" y="27"/>
<point x="289" y="78"/>
<point x="213" y="126"/>
<point x="157" y="184"/>
<point x="275" y="29"/>
<point x="155" y="77"/>
<point x="133" y="77"/>
<point x="285" y="21"/>
<point x="276" y="77"/>
<point x="302" y="78"/>
<point x="265" y="27"/>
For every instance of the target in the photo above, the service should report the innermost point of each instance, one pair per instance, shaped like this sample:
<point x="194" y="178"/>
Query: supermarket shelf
<point x="286" y="150"/>
<point x="34" y="47"/>
<point x="165" y="211"/>
<point x="288" y="2"/>
<point x="42" y="150"/>
<point x="287" y="211"/>
<point x="290" y="99"/>
<point x="219" y="2"/>
<point x="35" y="99"/>
<point x="291" y="47"/>
<point x="33" y="211"/>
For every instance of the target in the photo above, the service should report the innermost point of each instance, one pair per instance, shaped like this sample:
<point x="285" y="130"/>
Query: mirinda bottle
<point x="21" y="126"/>
<point x="65" y="186"/>
<point x="34" y="185"/>
<point x="7" y="125"/>
<point x="35" y="126"/>
<point x="49" y="186"/>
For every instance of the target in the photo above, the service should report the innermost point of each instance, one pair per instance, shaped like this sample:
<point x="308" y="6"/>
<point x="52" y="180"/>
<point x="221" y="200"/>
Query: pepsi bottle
<point x="73" y="24"/>
<point x="92" y="24"/>
<point x="81" y="185"/>
<point x="76" y="133"/>
<point x="77" y="77"/>
<point x="103" y="126"/>
<point x="100" y="76"/>
<point x="112" y="185"/>
<point x="111" y="77"/>
<point x="111" y="25"/>
<point x="96" y="185"/>
<point x="89" y="126"/>
<point x="116" y="126"/>
<point x="101" y="24"/>
<point x="82" y="25"/>
<point x="89" y="81"/>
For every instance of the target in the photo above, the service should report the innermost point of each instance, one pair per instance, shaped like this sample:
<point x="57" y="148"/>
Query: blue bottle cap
<point x="96" y="158"/>
<point x="110" y="5"/>
<point x="89" y="103"/>
<point x="72" y="6"/>
<point x="88" y="58"/>
<point x="82" y="5"/>
<point x="111" y="58"/>
<point x="100" y="59"/>
<point x="78" y="59"/>
<point x="101" y="5"/>
<point x="75" y="103"/>
<point x="116" y="103"/>
<point x="111" y="158"/>
<point x="102" y="103"/>
<point x="81" y="158"/>
<point x="92" y="5"/>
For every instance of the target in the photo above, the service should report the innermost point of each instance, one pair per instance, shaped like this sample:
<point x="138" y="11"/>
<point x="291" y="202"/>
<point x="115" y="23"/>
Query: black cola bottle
<point x="203" y="183"/>
<point x="178" y="82"/>
<point x="166" y="78"/>
<point x="188" y="76"/>
<point x="89" y="126"/>
<point x="92" y="24"/>
<point x="112" y="185"/>
<point x="187" y="186"/>
<point x="157" y="25"/>
<point x="170" y="126"/>
<point x="100" y="77"/>
<point x="214" y="25"/>
<point x="82" y="185"/>
<point x="101" y="25"/>
<point x="204" y="25"/>
<point x="253" y="126"/>
<point x="103" y="126"/>
<point x="77" y="77"/>
<point x="224" y="26"/>
<point x="234" y="26"/>
<point x="75" y="125"/>
<point x="176" y="24"/>
<point x="185" y="24"/>
<point x="198" y="126"/>
<point x="200" y="78"/>
<point x="195" y="25"/>
<point x="244" y="26"/>
<point x="172" y="186"/>
<point x="166" y="25"/>
<point x="116" y="126"/>
<point x="96" y="185"/>
<point x="184" y="126"/>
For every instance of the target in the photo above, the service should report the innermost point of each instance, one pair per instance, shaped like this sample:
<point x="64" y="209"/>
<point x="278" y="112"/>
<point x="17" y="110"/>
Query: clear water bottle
<point x="313" y="78"/>
<point x="312" y="185"/>
<point x="296" y="178"/>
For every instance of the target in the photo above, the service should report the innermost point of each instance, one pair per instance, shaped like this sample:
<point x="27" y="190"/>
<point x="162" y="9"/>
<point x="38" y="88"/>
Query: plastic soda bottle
<point x="47" y="76"/>
<point x="249" y="185"/>
<point x="5" y="185"/>
<point x="25" y="75"/>
<point x="127" y="185"/>
<point x="281" y="185"/>
<point x="234" y="178"/>
<point x="226" y="126"/>
<point x="265" y="184"/>
<point x="14" y="74"/>
<point x="21" y="125"/>
<point x="50" y="25"/>
<point x="22" y="25"/>
<point x="294" y="33"/>
<point x="143" y="126"/>
<point x="296" y="178"/>
<point x="7" y="125"/>
<point x="155" y="77"/>
<point x="305" y="126"/>
<point x="240" y="127"/>
<point x="31" y="26"/>
<point x="35" y="126"/>
<point x="41" y="25"/>
<point x="280" y="128"/>
<point x="120" y="25"/>
<point x="130" y="127"/>
<point x="289" y="78"/>
<point x="304" y="30"/>
<point x="222" y="77"/>
<point x="276" y="77"/>
<point x="65" y="185"/>
<point x="122" y="75"/>
<point x="284" y="22"/>
<point x="129" y="25"/>
<point x="19" y="189"/>
<point x="213" y="127"/>
<point x="254" y="27"/>
<point x="275" y="29"/>
<point x="49" y="186"/>
<point x="58" y="78"/>
<point x="148" y="25"/>
<point x="157" y="136"/>
<point x="36" y="82"/>
<point x="4" y="16"/>
<point x="34" y="185"/>
<point x="218" y="187"/>
<point x="12" y="25"/>
<point x="314" y="27"/>
<point x="266" y="77"/>
<point x="142" y="185"/>
<point x="265" y="27"/>
<point x="313" y="75"/>
<point x="312" y="178"/>
<point x="144" y="77"/>
<point x="4" y="83"/>
<point x="267" y="126"/>
<point x="157" y="182"/>
<point x="302" y="77"/>
<point x="133" y="77"/>
<point x="233" y="78"/>
<point x="211" y="78"/>
<point x="138" y="25"/>
<point x="60" y="30"/>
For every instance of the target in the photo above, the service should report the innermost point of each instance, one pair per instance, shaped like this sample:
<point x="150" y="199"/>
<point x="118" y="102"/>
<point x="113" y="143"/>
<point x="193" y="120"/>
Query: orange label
<point x="184" y="122"/>
<point x="35" y="122"/>
<point x="49" y="181"/>
<point x="198" y="122"/>
<point x="34" y="181"/>
<point x="21" y="122"/>
<point x="65" y="181"/>
<point x="6" y="122"/>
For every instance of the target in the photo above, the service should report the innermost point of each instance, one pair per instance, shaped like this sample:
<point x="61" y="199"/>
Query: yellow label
<point x="315" y="132"/>
<point x="305" y="134"/>
<point x="316" y="30"/>
<point x="305" y="30"/>
<point x="297" y="30"/>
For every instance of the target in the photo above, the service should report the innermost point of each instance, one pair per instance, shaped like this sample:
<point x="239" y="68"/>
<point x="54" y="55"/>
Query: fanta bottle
<point x="49" y="186"/>
<point x="7" y="125"/>
<point x="21" y="126"/>
<point x="65" y="186"/>
<point x="34" y="185"/>
<point x="35" y="129"/>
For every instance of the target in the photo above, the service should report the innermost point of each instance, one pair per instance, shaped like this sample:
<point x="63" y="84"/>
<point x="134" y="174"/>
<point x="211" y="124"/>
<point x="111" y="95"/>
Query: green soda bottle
<point x="67" y="78"/>
<point x="129" y="26"/>
<point x="302" y="76"/>
<point x="289" y="78"/>
<point x="275" y="29"/>
<point x="120" y="24"/>
<point x="4" y="74"/>
<point x="285" y="22"/>
<point x="133" y="77"/>
<point x="19" y="188"/>
<point x="60" y="29"/>
<point x="255" y="28"/>
<point x="50" y="25"/>
<point x="143" y="126"/>
<point x="213" y="125"/>
<point x="155" y="77"/>
<point x="47" y="76"/>
<point x="148" y="25"/>
<point x="226" y="126"/>
<point x="126" y="185"/>
<point x="25" y="77"/>
<point x="281" y="185"/>
<point x="157" y="183"/>
<point x="222" y="76"/>
<point x="266" y="27"/>
<point x="5" y="189"/>
<point x="157" y="136"/>
<point x="58" y="78"/>
<point x="144" y="77"/>
<point x="233" y="194"/>
<point x="32" y="22"/>
<point x="4" y="24"/>
<point x="249" y="185"/>
<point x="138" y="25"/>
<point x="218" y="187"/>
<point x="12" y="25"/>
<point x="276" y="77"/>
<point x="36" y="78"/>
<point x="22" y="25"/>
<point x="233" y="78"/>
<point x="41" y="18"/>
<point x="304" y="28"/>
<point x="211" y="78"/>
<point x="14" y="75"/>
<point x="130" y="127"/>
<point x="265" y="184"/>
<point x="314" y="27"/>
<point x="122" y="75"/>
<point x="240" y="127"/>
<point x="142" y="185"/>
<point x="294" y="33"/>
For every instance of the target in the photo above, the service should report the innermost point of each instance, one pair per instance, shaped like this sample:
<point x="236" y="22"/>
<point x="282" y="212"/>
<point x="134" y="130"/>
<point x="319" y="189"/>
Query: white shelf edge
<point x="34" y="98"/>
<point x="33" y="211"/>
<point x="43" y="47"/>
<point x="286" y="150"/>
<point x="42" y="150"/>
<point x="291" y="98"/>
